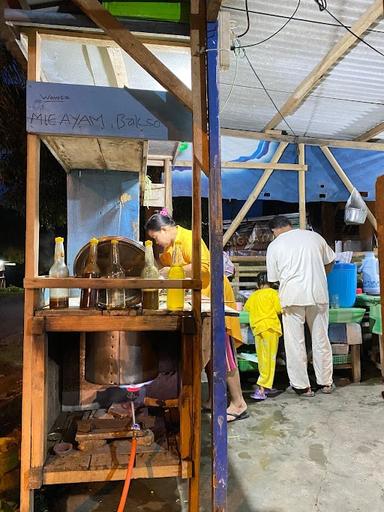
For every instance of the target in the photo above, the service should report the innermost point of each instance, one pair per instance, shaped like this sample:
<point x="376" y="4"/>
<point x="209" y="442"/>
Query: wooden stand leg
<point x="356" y="364"/>
<point x="381" y="347"/>
<point x="26" y="495"/>
<point x="186" y="397"/>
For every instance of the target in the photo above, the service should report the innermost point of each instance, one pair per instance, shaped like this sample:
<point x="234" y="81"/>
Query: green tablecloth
<point x="365" y="301"/>
<point x="336" y="315"/>
<point x="375" y="319"/>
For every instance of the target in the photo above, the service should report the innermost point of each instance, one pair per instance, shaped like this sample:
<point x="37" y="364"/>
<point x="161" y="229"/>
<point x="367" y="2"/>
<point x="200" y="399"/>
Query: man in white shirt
<point x="298" y="259"/>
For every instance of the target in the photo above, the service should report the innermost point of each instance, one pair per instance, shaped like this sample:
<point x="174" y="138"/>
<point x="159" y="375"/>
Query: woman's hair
<point x="158" y="221"/>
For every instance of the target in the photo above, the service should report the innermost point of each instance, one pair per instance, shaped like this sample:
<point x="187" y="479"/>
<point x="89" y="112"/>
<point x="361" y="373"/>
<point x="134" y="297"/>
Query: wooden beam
<point x="117" y="62"/>
<point x="213" y="8"/>
<point x="301" y="176"/>
<point x="371" y="134"/>
<point x="127" y="282"/>
<point x="128" y="42"/>
<point x="309" y="141"/>
<point x="347" y="182"/>
<point x="252" y="165"/>
<point x="168" y="185"/>
<point x="337" y="52"/>
<point x="253" y="195"/>
<point x="379" y="209"/>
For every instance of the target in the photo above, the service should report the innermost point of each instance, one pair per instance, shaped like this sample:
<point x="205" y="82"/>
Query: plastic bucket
<point x="342" y="284"/>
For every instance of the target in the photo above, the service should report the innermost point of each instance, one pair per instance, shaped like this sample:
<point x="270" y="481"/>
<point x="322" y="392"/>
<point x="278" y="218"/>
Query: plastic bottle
<point x="175" y="297"/>
<point x="150" y="271"/>
<point x="370" y="270"/>
<point x="89" y="296"/>
<point x="59" y="297"/>
<point x="115" y="296"/>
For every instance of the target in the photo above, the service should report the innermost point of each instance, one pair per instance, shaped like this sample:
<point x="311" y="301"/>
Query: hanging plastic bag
<point x="355" y="209"/>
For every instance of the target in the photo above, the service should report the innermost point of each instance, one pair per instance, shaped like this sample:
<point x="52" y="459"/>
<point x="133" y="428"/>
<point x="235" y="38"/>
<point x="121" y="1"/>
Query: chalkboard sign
<point x="65" y="109"/>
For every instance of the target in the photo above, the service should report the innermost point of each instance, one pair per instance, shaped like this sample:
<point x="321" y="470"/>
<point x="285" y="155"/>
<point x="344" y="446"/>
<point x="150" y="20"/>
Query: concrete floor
<point x="324" y="454"/>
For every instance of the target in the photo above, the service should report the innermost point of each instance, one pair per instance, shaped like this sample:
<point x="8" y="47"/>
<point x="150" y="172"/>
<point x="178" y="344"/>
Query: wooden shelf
<point x="102" y="323"/>
<point x="102" y="283"/>
<point x="183" y="470"/>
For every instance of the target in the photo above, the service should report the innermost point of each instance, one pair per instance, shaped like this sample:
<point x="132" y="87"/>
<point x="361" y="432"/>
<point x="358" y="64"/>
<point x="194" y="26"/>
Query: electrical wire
<point x="248" y="21"/>
<point x="277" y="31"/>
<point x="322" y="4"/>
<point x="267" y="92"/>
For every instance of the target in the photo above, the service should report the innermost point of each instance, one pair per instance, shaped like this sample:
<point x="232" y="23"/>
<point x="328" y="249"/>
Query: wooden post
<point x="380" y="237"/>
<point x="218" y="359"/>
<point x="29" y="453"/>
<point x="344" y="178"/>
<point x="200" y="161"/>
<point x="168" y="185"/>
<point x="254" y="194"/>
<point x="301" y="174"/>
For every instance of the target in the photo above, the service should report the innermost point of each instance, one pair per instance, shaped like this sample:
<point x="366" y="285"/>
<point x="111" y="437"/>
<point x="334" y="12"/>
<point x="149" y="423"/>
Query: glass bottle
<point x="90" y="296"/>
<point x="115" y="296"/>
<point x="59" y="297"/>
<point x="150" y="271"/>
<point x="175" y="297"/>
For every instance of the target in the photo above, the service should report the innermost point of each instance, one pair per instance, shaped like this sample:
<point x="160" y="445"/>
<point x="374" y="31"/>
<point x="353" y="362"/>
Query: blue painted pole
<point x="219" y="370"/>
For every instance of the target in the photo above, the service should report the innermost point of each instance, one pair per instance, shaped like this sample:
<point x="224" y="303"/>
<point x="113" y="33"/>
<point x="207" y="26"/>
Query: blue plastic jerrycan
<point x="370" y="270"/>
<point x="342" y="283"/>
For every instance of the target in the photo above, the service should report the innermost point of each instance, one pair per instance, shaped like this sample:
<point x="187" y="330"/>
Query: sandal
<point x="237" y="417"/>
<point x="304" y="393"/>
<point x="259" y="395"/>
<point x="327" y="390"/>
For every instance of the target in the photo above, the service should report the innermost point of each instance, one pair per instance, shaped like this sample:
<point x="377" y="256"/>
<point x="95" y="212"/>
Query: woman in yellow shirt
<point x="164" y="231"/>
<point x="264" y="307"/>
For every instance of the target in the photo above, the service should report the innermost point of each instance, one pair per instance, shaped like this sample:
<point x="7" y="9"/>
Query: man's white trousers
<point x="294" y="318"/>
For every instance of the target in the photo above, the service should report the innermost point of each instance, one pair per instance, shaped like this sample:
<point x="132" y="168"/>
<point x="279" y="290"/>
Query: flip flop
<point x="237" y="417"/>
<point x="259" y="395"/>
<point x="327" y="390"/>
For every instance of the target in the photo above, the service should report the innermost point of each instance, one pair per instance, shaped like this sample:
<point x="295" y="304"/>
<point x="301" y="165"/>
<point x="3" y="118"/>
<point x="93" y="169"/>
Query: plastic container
<point x="370" y="270"/>
<point x="342" y="283"/>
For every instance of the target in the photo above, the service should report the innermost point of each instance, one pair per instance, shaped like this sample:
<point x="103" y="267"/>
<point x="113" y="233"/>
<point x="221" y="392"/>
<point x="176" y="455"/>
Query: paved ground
<point x="323" y="454"/>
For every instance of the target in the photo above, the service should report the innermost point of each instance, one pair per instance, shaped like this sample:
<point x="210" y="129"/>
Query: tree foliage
<point x="13" y="151"/>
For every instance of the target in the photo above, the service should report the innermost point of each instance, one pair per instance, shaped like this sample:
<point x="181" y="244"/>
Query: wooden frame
<point x="188" y="324"/>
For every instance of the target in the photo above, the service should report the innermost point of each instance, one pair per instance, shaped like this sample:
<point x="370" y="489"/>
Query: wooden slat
<point x="29" y="454"/>
<point x="310" y="141"/>
<point x="338" y="51"/>
<point x="104" y="475"/>
<point x="168" y="185"/>
<point x="213" y="8"/>
<point x="97" y="323"/>
<point x="344" y="178"/>
<point x="252" y="165"/>
<point x="128" y="42"/>
<point x="128" y="282"/>
<point x="253" y="195"/>
<point x="379" y="209"/>
<point x="371" y="134"/>
<point x="117" y="62"/>
<point x="39" y="393"/>
<point x="301" y="176"/>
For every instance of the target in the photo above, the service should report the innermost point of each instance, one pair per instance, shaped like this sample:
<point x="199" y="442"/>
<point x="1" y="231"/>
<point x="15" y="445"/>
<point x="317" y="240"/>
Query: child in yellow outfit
<point x="264" y="307"/>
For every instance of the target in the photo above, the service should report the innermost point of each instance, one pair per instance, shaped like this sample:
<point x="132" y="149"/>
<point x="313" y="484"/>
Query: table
<point x="351" y="317"/>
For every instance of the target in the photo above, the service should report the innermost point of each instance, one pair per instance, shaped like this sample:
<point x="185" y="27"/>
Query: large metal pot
<point x="132" y="259"/>
<point x="120" y="358"/>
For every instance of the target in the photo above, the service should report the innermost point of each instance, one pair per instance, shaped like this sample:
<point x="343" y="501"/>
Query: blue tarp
<point x="322" y="183"/>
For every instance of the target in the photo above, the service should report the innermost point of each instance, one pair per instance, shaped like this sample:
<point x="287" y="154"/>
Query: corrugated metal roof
<point x="347" y="102"/>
